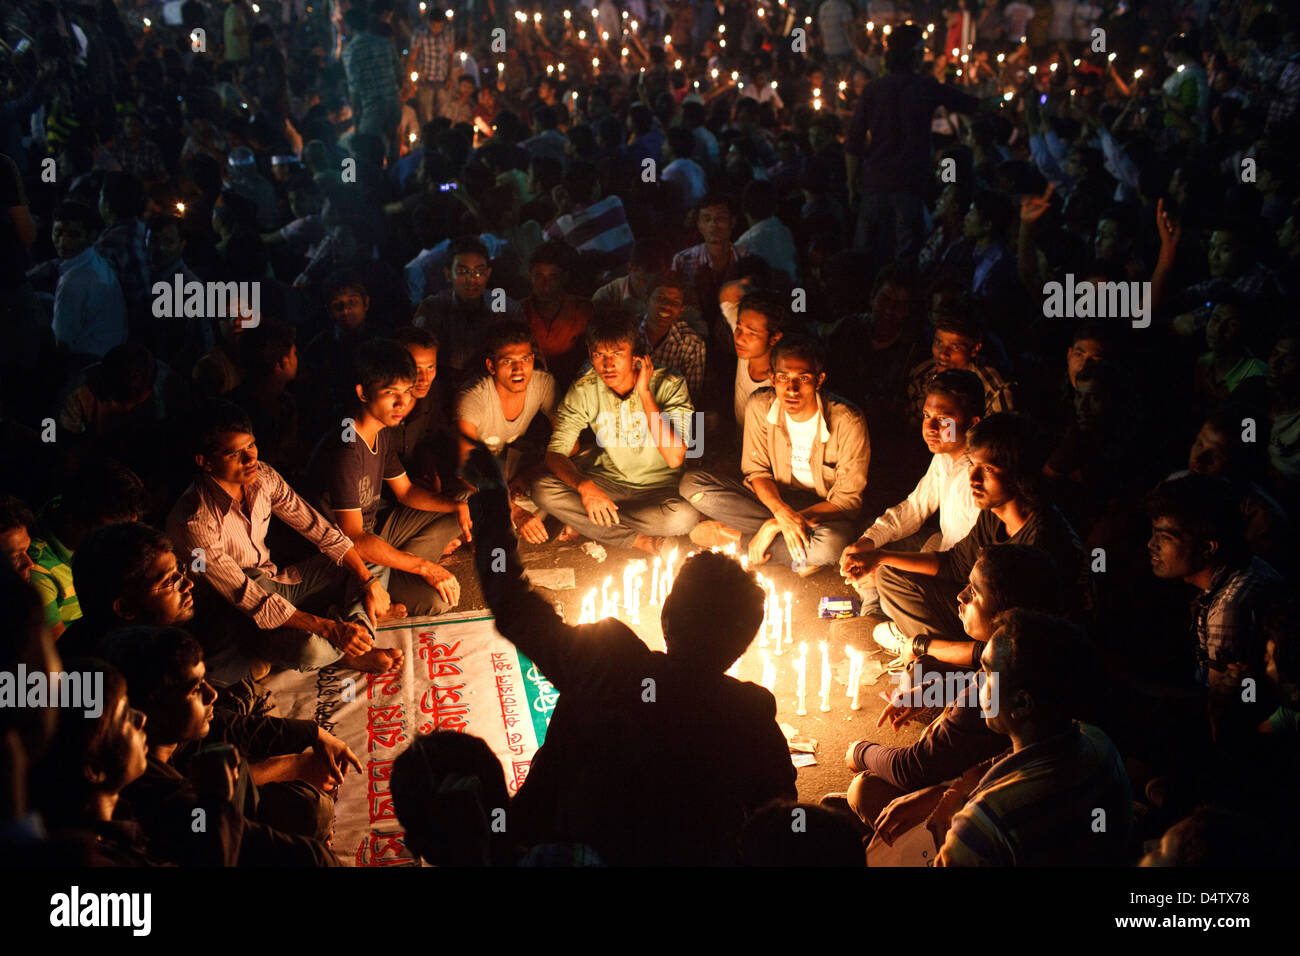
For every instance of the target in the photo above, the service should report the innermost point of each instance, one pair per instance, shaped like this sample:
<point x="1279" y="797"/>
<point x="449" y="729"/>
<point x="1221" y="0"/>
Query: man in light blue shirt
<point x="89" y="311"/>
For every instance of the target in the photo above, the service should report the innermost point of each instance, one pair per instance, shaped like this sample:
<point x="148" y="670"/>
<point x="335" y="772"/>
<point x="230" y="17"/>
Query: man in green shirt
<point x="103" y="492"/>
<point x="642" y="418"/>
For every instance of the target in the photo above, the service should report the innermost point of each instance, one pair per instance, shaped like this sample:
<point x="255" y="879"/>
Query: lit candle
<point x="451" y="14"/>
<point x="887" y="29"/>
<point x="180" y="208"/>
<point x="871" y="27"/>
<point x="769" y="671"/>
<point x="826" y="676"/>
<point x="604" y="596"/>
<point x="1033" y="69"/>
<point x="789" y="633"/>
<point x="500" y="67"/>
<point x="588" y="615"/>
<point x="855" y="678"/>
<point x="415" y="77"/>
<point x="1111" y="58"/>
<point x="654" y="583"/>
<point x="595" y="63"/>
<point x="411" y="138"/>
<point x="668" y="39"/>
<point x="817" y="104"/>
<point x="423" y="6"/>
<point x="549" y="69"/>
<point x="1137" y="74"/>
<point x="774" y="615"/>
<point x="801" y="674"/>
<point x="677" y="64"/>
<point x="582" y="34"/>
<point x="1053" y="67"/>
<point x="1001" y="57"/>
<point x="568" y="14"/>
<point x="560" y="67"/>
<point x="147" y="23"/>
<point x="1076" y="62"/>
<point x="537" y="18"/>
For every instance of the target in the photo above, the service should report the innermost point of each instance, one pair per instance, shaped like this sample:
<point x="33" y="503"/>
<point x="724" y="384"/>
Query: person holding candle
<point x="650" y="758"/>
<point x="804" y="460"/>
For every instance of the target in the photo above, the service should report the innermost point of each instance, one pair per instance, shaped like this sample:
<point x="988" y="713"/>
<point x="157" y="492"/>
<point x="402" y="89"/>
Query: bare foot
<point x="451" y="547"/>
<point x="394" y="612"/>
<point x="568" y="534"/>
<point x="714" y="534"/>
<point x="648" y="544"/>
<point x="377" y="660"/>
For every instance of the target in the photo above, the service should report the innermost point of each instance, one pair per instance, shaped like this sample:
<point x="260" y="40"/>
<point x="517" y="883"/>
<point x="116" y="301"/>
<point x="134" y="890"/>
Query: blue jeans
<point x="737" y="507"/>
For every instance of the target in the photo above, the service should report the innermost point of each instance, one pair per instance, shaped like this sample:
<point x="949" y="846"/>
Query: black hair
<point x="113" y="561"/>
<point x="126" y="372"/>
<point x="508" y="333"/>
<point x="465" y="245"/>
<point x="713" y="611"/>
<point x="152" y="659"/>
<point x="962" y="386"/>
<point x="123" y="195"/>
<point x="445" y="825"/>
<point x="219" y="417"/>
<point x="1046" y="658"/>
<point x="264" y="346"/>
<point x="414" y="335"/>
<point x="77" y="212"/>
<point x="1022" y="576"/>
<point x="825" y="838"/>
<point x="770" y="306"/>
<point x="104" y="491"/>
<point x="380" y="363"/>
<point x="615" y="325"/>
<point x="14" y="513"/>
<point x="1017" y="446"/>
<point x="552" y="253"/>
<point x="802" y="346"/>
<point x="345" y="280"/>
<point x="759" y="200"/>
<point x="1207" y="509"/>
<point x="581" y="180"/>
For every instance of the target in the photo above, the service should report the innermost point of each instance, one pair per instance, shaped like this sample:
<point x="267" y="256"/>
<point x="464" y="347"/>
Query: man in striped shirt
<point x="221" y="521"/>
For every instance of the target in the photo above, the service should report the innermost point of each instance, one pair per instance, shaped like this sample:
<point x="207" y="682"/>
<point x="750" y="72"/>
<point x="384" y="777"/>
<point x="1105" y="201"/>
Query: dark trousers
<point x="919" y="603"/>
<point x="891" y="227"/>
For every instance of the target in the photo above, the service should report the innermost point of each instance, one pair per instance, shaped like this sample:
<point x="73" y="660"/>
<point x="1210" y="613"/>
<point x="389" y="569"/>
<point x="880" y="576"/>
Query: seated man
<point x="558" y="320"/>
<point x="103" y="492"/>
<point x="426" y="441"/>
<point x="1006" y="576"/>
<point x="805" y="461"/>
<point x="954" y="401"/>
<point x="461" y="316"/>
<point x="1197" y="536"/>
<point x="15" y="539"/>
<point x="668" y="782"/>
<point x="500" y="410"/>
<point x="284" y="825"/>
<point x="221" y="520"/>
<point x="1038" y="806"/>
<point x="350" y="467"/>
<point x="918" y="590"/>
<point x="642" y="417"/>
<point x="326" y="362"/>
<point x="761" y="320"/>
<point x="126" y="574"/>
<point x="268" y="357"/>
<point x="674" y="345"/>
<point x="958" y="342"/>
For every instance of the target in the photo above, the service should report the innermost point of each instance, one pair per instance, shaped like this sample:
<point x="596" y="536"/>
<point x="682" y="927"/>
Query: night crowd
<point x="979" y="311"/>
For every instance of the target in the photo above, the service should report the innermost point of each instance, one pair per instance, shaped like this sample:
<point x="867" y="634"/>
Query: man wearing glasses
<point x="804" y="461"/>
<point x="461" y="316"/>
<point x="501" y="410"/>
<point x="126" y="574"/>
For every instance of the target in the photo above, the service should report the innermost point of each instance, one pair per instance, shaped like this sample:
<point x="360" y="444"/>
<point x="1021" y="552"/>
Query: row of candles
<point x="775" y="631"/>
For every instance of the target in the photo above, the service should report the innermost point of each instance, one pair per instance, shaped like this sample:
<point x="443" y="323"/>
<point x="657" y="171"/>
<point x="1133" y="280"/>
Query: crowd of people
<point x="978" y="310"/>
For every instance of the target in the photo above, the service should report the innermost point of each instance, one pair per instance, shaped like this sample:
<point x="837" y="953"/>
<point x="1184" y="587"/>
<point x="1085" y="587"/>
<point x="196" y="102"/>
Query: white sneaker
<point x="889" y="638"/>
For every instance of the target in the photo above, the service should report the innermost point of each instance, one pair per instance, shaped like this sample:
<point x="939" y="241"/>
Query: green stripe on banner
<point x="541" y="694"/>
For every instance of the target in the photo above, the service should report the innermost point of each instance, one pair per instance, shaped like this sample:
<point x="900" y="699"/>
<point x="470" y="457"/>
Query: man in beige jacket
<point x="804" y="461"/>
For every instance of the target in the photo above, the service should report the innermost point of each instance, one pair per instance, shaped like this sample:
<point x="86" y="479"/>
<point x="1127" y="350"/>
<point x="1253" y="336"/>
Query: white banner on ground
<point x="458" y="674"/>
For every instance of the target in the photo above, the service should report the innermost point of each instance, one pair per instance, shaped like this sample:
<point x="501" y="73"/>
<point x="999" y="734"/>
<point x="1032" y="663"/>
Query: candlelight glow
<point x="415" y="77"/>
<point x="1137" y="74"/>
<point x="887" y="29"/>
<point x="180" y="208"/>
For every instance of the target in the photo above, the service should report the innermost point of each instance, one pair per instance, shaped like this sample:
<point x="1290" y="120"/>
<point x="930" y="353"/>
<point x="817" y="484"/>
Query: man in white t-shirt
<point x="501" y="409"/>
<point x="804" y="461"/>
<point x="761" y="318"/>
<point x="954" y="401"/>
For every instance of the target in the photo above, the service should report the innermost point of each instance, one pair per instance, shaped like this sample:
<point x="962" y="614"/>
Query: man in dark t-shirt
<point x="401" y="544"/>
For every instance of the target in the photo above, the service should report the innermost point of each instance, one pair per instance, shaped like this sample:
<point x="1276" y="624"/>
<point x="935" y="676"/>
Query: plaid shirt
<point x="682" y="350"/>
<point x="370" y="63"/>
<point x="689" y="262"/>
<point x="144" y="161"/>
<point x="432" y="54"/>
<point x="1286" y="103"/>
<point x="1228" y="615"/>
<point x="997" y="390"/>
<point x="232" y="537"/>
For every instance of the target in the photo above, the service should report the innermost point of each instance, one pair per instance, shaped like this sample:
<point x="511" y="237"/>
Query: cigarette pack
<point x="833" y="607"/>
